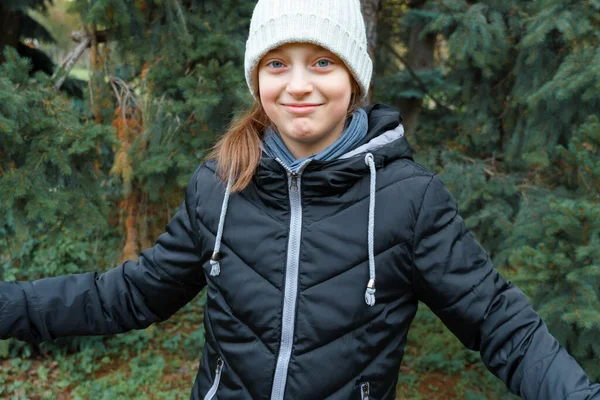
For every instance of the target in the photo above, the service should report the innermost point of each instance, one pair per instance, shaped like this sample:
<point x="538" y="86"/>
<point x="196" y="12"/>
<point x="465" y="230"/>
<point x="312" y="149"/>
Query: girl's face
<point x="305" y="91"/>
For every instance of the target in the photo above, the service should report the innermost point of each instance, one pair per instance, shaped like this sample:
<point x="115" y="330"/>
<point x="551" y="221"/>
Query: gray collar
<point x="377" y="142"/>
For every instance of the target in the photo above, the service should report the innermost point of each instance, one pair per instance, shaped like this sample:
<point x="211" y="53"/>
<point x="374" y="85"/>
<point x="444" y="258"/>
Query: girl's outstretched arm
<point x="454" y="276"/>
<point x="130" y="296"/>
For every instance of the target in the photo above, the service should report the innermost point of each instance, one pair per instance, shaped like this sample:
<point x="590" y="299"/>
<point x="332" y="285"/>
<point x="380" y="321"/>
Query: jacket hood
<point x="384" y="127"/>
<point x="385" y="140"/>
<point x="382" y="118"/>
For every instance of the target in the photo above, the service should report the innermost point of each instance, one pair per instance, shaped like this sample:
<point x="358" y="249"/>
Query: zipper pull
<point x="364" y="391"/>
<point x="294" y="183"/>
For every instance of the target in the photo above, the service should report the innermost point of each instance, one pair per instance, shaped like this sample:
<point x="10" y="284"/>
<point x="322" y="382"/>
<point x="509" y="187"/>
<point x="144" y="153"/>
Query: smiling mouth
<point x="301" y="108"/>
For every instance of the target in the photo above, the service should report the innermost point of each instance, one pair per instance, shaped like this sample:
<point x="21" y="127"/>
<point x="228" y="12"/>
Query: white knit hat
<point x="336" y="25"/>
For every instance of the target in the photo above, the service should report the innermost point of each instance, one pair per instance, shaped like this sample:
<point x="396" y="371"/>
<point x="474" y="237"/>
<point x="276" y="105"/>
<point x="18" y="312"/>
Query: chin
<point x="306" y="138"/>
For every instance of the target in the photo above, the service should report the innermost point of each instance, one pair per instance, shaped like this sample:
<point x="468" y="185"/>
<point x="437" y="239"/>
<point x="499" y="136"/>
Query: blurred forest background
<point x="108" y="106"/>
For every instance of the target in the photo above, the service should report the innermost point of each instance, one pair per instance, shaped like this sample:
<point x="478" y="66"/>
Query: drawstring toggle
<point x="215" y="269"/>
<point x="370" y="293"/>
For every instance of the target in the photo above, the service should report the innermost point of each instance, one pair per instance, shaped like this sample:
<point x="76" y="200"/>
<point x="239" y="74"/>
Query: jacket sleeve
<point x="455" y="277"/>
<point x="130" y="296"/>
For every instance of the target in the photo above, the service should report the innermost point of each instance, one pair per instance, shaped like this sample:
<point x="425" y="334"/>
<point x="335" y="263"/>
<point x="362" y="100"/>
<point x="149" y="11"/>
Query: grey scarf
<point x="353" y="134"/>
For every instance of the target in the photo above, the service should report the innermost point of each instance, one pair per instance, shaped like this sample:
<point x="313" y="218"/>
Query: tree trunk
<point x="370" y="9"/>
<point x="10" y="29"/>
<point x="96" y="65"/>
<point x="419" y="57"/>
<point x="129" y="207"/>
<point x="134" y="208"/>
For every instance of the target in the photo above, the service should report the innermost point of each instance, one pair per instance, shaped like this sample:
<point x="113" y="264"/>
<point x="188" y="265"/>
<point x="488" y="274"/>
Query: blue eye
<point x="276" y="64"/>
<point x="320" y="63"/>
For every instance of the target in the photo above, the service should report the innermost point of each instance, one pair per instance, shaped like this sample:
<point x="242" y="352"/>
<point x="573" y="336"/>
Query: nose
<point x="299" y="84"/>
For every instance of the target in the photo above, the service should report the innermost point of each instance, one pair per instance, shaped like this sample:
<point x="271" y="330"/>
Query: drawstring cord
<point x="215" y="269"/>
<point x="370" y="292"/>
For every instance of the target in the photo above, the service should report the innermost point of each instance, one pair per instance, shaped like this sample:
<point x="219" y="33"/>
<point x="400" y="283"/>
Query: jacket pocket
<point x="364" y="391"/>
<point x="213" y="390"/>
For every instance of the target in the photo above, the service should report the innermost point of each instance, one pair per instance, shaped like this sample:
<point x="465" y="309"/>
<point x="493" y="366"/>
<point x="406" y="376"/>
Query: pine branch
<point x="416" y="77"/>
<point x="69" y="62"/>
<point x="84" y="39"/>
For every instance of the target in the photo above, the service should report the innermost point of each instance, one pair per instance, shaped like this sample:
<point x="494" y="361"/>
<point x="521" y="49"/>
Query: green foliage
<point x="52" y="206"/>
<point x="488" y="199"/>
<point x="581" y="169"/>
<point x="180" y="68"/>
<point x="555" y="76"/>
<point x="557" y="250"/>
<point x="177" y="133"/>
<point x="560" y="270"/>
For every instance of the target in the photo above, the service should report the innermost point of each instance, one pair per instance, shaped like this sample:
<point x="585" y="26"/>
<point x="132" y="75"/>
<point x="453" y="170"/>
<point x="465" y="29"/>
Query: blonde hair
<point x="239" y="150"/>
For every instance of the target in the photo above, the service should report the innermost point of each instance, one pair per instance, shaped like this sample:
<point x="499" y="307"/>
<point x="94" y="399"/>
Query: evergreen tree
<point x="176" y="79"/>
<point x="559" y="255"/>
<point x="511" y="81"/>
<point x="52" y="205"/>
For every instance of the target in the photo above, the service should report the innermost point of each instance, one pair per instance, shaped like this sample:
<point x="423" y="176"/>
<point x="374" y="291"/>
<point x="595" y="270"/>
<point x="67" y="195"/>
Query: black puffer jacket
<point x="287" y="313"/>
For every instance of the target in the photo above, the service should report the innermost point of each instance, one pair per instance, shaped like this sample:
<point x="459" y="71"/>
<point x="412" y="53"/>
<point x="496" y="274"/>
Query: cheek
<point x="269" y="106"/>
<point x="267" y="88"/>
<point x="268" y="94"/>
<point x="339" y="89"/>
<point x="340" y="94"/>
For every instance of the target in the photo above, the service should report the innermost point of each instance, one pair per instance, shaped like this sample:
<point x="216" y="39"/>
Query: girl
<point x="316" y="235"/>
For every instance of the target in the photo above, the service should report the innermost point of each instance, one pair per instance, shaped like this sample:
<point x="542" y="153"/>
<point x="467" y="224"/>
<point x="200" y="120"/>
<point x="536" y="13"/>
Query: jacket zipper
<point x="294" y="183"/>
<point x="364" y="391"/>
<point x="213" y="390"/>
<point x="291" y="282"/>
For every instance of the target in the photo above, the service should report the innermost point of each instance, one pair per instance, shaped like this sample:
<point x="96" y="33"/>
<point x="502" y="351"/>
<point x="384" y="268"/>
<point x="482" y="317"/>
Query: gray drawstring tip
<point x="370" y="293"/>
<point x="215" y="269"/>
<point x="370" y="297"/>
